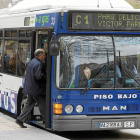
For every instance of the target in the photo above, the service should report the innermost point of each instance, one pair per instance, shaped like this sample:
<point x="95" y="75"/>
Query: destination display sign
<point x="103" y="21"/>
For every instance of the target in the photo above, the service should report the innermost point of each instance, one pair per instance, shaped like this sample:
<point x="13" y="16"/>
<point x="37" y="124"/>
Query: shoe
<point x="20" y="123"/>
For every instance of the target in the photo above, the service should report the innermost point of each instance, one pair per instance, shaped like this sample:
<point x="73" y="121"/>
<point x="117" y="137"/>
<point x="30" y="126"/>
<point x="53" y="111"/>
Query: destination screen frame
<point x="126" y="16"/>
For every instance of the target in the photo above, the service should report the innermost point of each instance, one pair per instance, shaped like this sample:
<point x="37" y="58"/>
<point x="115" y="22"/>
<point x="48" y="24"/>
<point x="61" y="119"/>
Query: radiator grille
<point x="130" y="107"/>
<point x="94" y="109"/>
<point x="133" y="107"/>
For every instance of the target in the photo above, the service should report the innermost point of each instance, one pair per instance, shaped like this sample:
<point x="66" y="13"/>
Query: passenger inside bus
<point x="20" y="65"/>
<point x="126" y="76"/>
<point x="102" y="77"/>
<point x="45" y="48"/>
<point x="87" y="72"/>
<point x="6" y="62"/>
<point x="45" y="45"/>
<point x="83" y="77"/>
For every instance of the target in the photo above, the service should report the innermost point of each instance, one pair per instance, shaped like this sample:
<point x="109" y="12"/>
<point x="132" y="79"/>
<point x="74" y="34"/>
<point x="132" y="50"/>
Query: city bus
<point x="92" y="65"/>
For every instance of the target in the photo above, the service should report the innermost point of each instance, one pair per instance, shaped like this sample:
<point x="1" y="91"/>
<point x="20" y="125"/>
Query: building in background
<point x="134" y="3"/>
<point x="8" y="3"/>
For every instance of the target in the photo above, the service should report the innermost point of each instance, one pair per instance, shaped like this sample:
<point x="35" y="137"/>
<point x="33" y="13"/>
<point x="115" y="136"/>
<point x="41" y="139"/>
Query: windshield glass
<point x="128" y="61"/>
<point x="89" y="61"/>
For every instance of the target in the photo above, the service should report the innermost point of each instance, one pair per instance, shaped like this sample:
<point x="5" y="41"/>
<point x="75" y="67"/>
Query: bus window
<point x="14" y="33"/>
<point x="24" y="54"/>
<point x="9" y="54"/>
<point x="22" y="33"/>
<point x="128" y="61"/>
<point x="7" y="33"/>
<point x="1" y="34"/>
<point x="83" y="58"/>
<point x="45" y="45"/>
<point x="28" y="33"/>
<point x="1" y="45"/>
<point x="42" y="42"/>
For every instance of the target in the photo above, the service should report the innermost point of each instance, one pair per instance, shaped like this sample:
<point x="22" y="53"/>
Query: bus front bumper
<point x="96" y="122"/>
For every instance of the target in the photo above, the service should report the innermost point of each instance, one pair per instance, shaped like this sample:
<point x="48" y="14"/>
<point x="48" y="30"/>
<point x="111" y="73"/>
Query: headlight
<point x="79" y="109"/>
<point x="68" y="109"/>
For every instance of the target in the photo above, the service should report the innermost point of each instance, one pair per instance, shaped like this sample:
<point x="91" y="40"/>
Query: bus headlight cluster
<point x="79" y="108"/>
<point x="69" y="109"/>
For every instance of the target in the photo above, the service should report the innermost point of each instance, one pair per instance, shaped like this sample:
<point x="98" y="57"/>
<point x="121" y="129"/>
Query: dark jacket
<point x="33" y="77"/>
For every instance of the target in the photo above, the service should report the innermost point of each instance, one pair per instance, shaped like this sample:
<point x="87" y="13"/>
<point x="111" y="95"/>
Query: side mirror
<point x="54" y="48"/>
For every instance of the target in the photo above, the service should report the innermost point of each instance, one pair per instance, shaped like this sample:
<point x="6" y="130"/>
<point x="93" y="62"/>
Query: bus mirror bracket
<point x="54" y="48"/>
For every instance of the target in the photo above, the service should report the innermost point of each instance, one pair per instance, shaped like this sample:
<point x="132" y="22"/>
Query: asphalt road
<point x="131" y="134"/>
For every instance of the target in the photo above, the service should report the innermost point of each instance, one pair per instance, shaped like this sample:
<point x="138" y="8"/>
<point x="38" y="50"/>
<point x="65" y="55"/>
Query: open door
<point x="43" y="37"/>
<point x="48" y="90"/>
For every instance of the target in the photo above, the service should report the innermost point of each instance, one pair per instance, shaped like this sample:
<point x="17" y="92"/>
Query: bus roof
<point x="34" y="5"/>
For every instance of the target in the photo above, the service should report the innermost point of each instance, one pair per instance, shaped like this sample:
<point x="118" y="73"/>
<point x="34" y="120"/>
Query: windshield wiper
<point x="96" y="77"/>
<point x="128" y="75"/>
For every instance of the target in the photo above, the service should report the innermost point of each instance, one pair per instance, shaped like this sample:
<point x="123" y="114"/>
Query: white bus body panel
<point x="31" y="5"/>
<point x="16" y="21"/>
<point x="9" y="87"/>
<point x="15" y="16"/>
<point x="104" y="4"/>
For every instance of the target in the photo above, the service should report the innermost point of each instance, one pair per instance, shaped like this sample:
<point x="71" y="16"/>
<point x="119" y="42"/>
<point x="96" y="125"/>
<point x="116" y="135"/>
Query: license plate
<point x="110" y="125"/>
<point x="129" y="124"/>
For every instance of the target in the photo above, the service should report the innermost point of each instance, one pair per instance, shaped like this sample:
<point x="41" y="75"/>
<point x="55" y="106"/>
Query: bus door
<point x="42" y="40"/>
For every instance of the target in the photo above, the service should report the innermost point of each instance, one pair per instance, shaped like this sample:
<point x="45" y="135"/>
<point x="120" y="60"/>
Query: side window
<point x="24" y="56"/>
<point x="10" y="51"/>
<point x="1" y="45"/>
<point x="1" y="33"/>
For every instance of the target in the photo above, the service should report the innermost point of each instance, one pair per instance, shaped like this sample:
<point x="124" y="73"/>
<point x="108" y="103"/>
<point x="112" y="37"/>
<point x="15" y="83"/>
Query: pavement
<point x="9" y="130"/>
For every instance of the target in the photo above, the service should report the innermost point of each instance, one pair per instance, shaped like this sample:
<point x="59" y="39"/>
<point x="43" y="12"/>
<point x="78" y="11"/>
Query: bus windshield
<point x="95" y="61"/>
